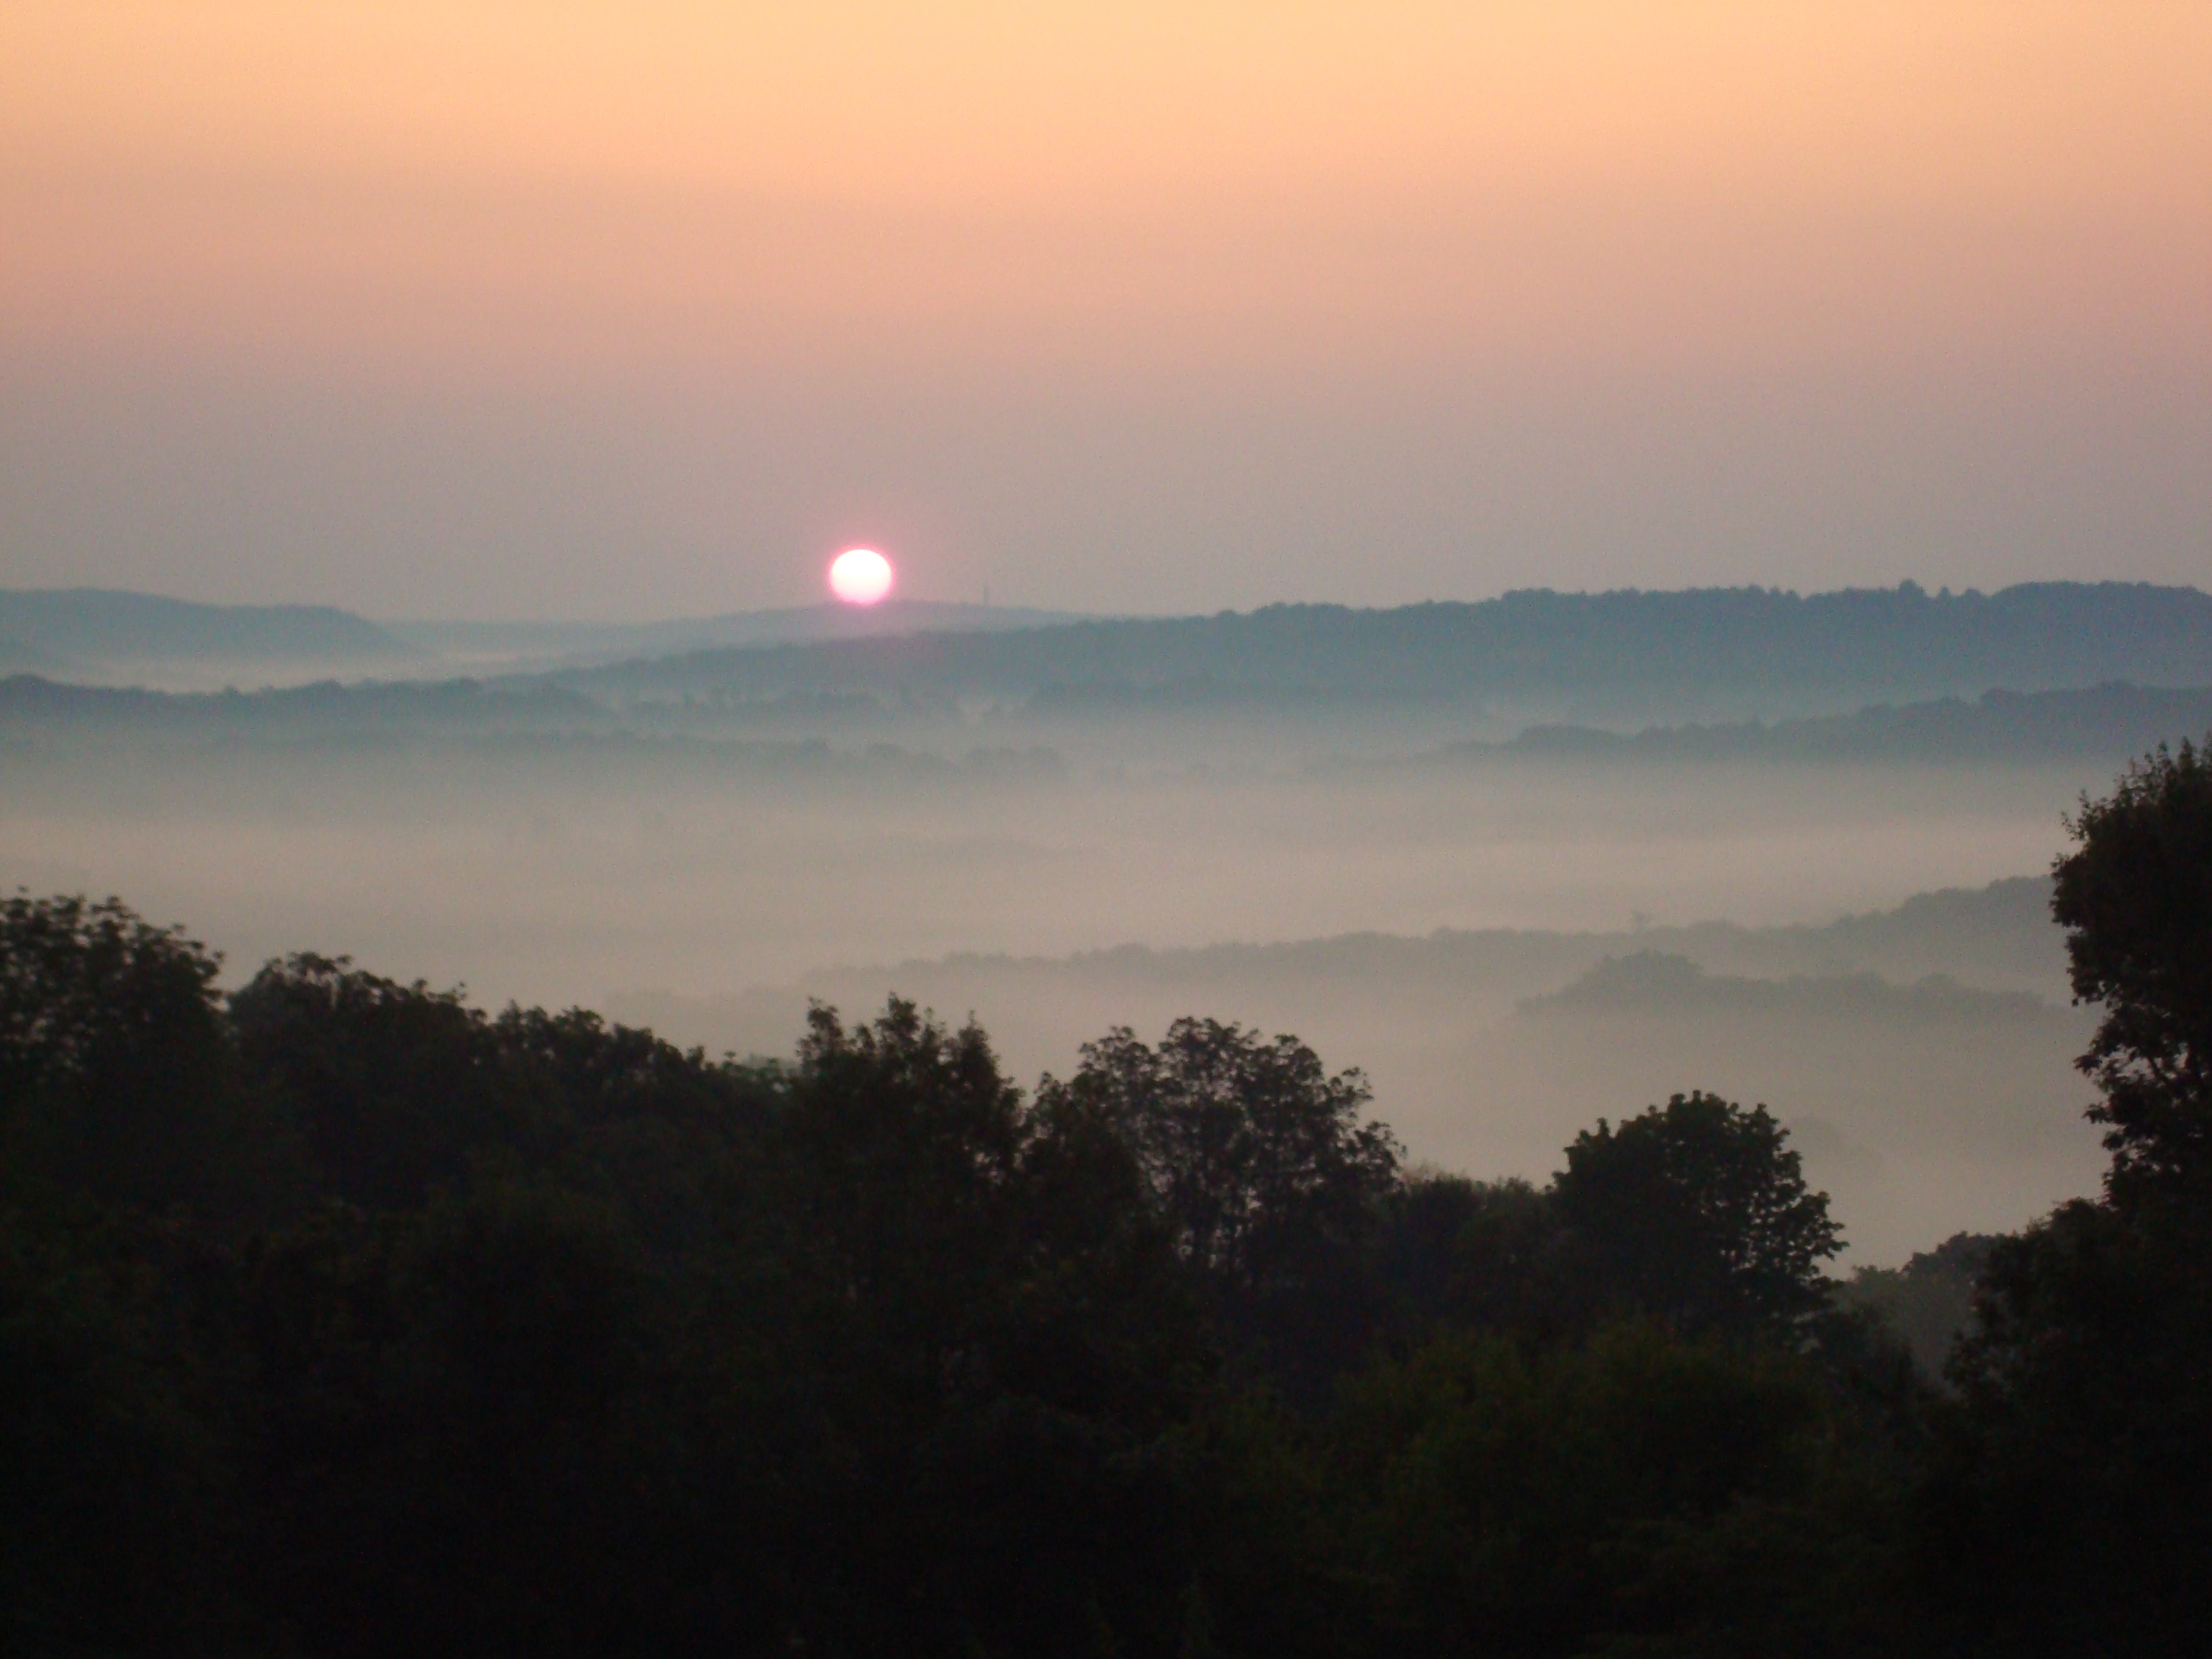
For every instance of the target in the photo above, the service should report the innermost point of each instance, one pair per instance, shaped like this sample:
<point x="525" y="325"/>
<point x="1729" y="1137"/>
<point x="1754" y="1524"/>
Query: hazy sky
<point x="548" y="309"/>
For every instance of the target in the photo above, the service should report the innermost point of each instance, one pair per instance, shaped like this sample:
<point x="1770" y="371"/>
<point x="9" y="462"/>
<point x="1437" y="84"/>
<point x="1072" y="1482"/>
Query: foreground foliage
<point x="339" y="1317"/>
<point x="2070" y="1493"/>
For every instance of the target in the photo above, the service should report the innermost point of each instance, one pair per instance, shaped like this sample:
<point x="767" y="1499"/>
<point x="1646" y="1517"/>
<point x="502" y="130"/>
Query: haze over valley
<point x="1525" y="863"/>
<point x="1199" y="830"/>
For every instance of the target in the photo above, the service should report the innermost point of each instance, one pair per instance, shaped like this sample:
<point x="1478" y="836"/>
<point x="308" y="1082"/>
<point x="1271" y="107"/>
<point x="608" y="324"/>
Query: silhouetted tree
<point x="129" y="1165"/>
<point x="2136" y="898"/>
<point x="390" y="1084"/>
<point x="1269" y="1179"/>
<point x="1697" y="1211"/>
<point x="1000" y="1338"/>
<point x="115" y="1064"/>
<point x="1236" y="1135"/>
<point x="2069" y="1513"/>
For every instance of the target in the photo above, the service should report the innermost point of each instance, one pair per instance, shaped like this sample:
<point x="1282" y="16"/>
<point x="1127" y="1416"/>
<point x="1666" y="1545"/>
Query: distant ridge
<point x="1720" y="645"/>
<point x="2106" y="724"/>
<point x="1614" y="661"/>
<point x="108" y="635"/>
<point x="2105" y="721"/>
<point x="1999" y="937"/>
<point x="463" y="705"/>
<point x="521" y="646"/>
<point x="89" y="629"/>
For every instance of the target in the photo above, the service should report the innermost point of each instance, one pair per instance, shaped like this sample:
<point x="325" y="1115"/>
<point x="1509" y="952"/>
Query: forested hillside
<point x="1359" y="681"/>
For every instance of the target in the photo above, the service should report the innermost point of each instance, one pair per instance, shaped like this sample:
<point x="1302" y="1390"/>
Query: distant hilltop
<point x="1606" y="652"/>
<point x="98" y="634"/>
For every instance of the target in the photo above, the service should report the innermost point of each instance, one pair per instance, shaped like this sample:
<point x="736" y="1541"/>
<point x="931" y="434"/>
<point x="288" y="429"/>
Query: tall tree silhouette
<point x="2136" y="898"/>
<point x="1268" y="1179"/>
<point x="2074" y="1487"/>
<point x="1697" y="1211"/>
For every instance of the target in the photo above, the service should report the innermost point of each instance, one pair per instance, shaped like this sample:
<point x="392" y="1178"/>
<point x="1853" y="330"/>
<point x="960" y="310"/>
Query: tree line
<point x="339" y="1316"/>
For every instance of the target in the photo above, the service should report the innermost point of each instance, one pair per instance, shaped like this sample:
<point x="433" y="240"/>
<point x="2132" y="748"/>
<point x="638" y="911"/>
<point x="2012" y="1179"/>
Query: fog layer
<point x="710" y="891"/>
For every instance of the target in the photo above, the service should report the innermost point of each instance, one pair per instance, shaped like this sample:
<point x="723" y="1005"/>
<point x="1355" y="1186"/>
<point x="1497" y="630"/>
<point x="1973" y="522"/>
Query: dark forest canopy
<point x="339" y="1316"/>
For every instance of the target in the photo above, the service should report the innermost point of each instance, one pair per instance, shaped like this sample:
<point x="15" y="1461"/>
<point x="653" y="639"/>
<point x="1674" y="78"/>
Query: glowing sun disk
<point x="861" y="575"/>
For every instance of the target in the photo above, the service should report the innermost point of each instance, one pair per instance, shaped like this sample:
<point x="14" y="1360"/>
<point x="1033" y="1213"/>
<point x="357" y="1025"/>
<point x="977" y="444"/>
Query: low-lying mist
<point x="1921" y="1056"/>
<point x="710" y="888"/>
<point x="551" y="870"/>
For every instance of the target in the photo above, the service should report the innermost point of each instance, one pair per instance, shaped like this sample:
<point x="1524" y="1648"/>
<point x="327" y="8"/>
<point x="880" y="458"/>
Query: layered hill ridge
<point x="108" y="636"/>
<point x="1610" y="657"/>
<point x="1892" y="643"/>
<point x="538" y="646"/>
<point x="1919" y="1051"/>
<point x="2022" y="726"/>
<point x="2106" y="724"/>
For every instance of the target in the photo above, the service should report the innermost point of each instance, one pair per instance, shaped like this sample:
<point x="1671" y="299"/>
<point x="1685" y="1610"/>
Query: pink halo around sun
<point x="861" y="575"/>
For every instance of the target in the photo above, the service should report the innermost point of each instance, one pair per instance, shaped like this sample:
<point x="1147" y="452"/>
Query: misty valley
<point x="1371" y="830"/>
<point x="1551" y="1127"/>
<point x="1406" y="836"/>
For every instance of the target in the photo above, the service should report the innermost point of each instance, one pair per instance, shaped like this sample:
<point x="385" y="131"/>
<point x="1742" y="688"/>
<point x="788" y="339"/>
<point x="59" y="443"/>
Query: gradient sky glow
<point x="554" y="309"/>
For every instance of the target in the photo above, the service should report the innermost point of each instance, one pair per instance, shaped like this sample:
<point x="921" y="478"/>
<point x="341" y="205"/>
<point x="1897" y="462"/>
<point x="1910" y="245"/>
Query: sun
<point x="861" y="575"/>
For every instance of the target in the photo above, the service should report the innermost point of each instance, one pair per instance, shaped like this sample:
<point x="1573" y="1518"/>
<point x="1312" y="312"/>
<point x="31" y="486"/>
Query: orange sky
<point x="462" y="198"/>
<point x="1568" y="178"/>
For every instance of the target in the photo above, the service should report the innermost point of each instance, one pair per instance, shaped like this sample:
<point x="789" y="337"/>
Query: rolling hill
<point x="1614" y="656"/>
